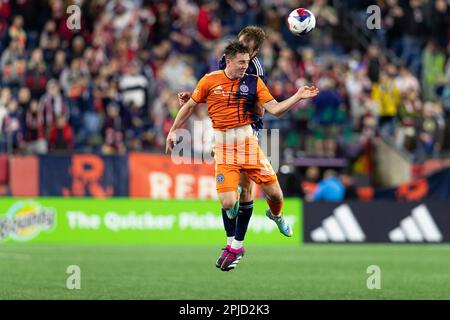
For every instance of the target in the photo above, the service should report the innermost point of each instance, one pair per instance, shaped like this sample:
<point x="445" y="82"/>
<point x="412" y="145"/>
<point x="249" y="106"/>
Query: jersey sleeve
<point x="258" y="69"/>
<point x="201" y="91"/>
<point x="262" y="93"/>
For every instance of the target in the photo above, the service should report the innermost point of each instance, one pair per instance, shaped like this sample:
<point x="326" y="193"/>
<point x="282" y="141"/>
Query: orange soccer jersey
<point x="231" y="103"/>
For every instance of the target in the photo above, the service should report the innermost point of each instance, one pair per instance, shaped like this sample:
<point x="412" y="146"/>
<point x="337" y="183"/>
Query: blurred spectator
<point x="163" y="24"/>
<point x="74" y="79"/>
<point x="438" y="19"/>
<point x="113" y="131"/>
<point x="53" y="104"/>
<point x="392" y="14"/>
<point x="373" y="62"/>
<point x="409" y="112"/>
<point x="433" y="70"/>
<point x="412" y="29"/>
<point x="406" y="82"/>
<point x="5" y="9"/>
<point x="36" y="75"/>
<point x="208" y="24"/>
<point x="324" y="13"/>
<point x="49" y="41"/>
<point x="348" y="182"/>
<point x="326" y="117"/>
<point x="3" y="29"/>
<point x="170" y="74"/>
<point x="369" y="121"/>
<point x="439" y="115"/>
<point x="133" y="86"/>
<point x="326" y="22"/>
<point x="24" y="98"/>
<point x="445" y="98"/>
<point x="329" y="189"/>
<point x="309" y="182"/>
<point x="123" y="12"/>
<point x="61" y="135"/>
<point x="5" y="97"/>
<point x="34" y="137"/>
<point x="239" y="14"/>
<point x="78" y="47"/>
<point x="11" y="126"/>
<point x="33" y="13"/>
<point x="387" y="96"/>
<point x="13" y="65"/>
<point x="184" y="33"/>
<point x="357" y="84"/>
<point x="58" y="64"/>
<point x="17" y="33"/>
<point x="429" y="133"/>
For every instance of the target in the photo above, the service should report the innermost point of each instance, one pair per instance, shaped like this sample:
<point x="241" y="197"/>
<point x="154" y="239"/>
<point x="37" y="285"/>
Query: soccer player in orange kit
<point x="231" y="96"/>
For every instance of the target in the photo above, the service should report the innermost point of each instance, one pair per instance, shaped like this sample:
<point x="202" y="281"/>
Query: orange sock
<point x="275" y="207"/>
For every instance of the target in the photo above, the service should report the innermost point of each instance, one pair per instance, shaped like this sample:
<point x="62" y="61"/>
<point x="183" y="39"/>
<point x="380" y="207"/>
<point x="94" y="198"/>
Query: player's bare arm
<point x="280" y="108"/>
<point x="183" y="114"/>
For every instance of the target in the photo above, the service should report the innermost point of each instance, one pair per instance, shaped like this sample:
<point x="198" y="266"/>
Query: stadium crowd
<point x="111" y="86"/>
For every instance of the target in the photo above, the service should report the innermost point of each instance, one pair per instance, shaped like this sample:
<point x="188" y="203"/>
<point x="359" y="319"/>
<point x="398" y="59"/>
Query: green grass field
<point x="188" y="272"/>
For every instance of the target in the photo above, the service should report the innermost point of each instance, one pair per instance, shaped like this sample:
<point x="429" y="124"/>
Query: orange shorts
<point x="246" y="156"/>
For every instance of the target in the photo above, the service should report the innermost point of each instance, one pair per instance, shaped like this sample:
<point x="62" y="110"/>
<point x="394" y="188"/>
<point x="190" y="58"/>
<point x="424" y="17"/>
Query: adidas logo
<point x="340" y="227"/>
<point x="418" y="227"/>
<point x="218" y="90"/>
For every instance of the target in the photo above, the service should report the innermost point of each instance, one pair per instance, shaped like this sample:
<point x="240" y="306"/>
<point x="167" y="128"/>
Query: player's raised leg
<point x="274" y="198"/>
<point x="263" y="174"/>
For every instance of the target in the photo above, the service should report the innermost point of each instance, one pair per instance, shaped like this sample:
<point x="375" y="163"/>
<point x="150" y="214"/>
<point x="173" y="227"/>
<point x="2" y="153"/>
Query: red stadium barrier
<point x="24" y="176"/>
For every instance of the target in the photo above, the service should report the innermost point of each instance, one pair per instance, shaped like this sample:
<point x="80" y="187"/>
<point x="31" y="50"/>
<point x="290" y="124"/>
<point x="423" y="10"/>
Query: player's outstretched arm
<point x="280" y="108"/>
<point x="183" y="114"/>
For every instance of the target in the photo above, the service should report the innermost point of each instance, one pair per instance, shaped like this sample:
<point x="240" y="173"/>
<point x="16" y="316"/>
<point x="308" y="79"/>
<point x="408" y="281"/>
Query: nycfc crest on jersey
<point x="244" y="89"/>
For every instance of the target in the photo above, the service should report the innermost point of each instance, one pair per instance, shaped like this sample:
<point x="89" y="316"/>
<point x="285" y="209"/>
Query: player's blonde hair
<point x="255" y="34"/>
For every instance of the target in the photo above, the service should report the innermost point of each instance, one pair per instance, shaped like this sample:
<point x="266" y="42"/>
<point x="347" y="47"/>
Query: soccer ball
<point x="301" y="21"/>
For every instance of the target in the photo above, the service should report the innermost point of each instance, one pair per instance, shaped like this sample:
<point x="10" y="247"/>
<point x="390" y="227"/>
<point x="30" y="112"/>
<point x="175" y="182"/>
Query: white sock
<point x="229" y="240"/>
<point x="274" y="216"/>
<point x="236" y="244"/>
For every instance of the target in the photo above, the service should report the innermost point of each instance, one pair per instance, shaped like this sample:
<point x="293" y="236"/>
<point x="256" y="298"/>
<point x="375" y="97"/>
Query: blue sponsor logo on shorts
<point x="220" y="178"/>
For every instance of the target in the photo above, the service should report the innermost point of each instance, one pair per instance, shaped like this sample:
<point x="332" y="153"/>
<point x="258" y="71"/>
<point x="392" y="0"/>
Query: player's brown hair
<point x="253" y="33"/>
<point x="235" y="47"/>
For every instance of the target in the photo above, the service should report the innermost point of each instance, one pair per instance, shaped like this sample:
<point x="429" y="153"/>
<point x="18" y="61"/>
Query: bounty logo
<point x="25" y="220"/>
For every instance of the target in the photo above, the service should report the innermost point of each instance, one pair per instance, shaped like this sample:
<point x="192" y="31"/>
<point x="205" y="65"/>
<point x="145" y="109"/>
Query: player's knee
<point x="246" y="194"/>
<point x="228" y="203"/>
<point x="276" y="196"/>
